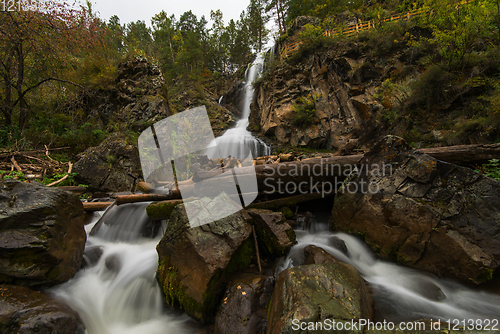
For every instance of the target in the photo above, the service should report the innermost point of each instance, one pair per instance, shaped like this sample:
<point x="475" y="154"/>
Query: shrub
<point x="432" y="88"/>
<point x="491" y="169"/>
<point x="304" y="109"/>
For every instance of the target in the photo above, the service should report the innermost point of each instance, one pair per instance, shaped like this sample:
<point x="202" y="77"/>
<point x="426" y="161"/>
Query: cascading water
<point x="117" y="292"/>
<point x="237" y="141"/>
<point x="401" y="294"/>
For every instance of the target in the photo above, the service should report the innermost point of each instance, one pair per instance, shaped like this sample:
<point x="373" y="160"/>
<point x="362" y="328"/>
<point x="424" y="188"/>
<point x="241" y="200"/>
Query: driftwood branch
<point x="256" y="248"/>
<point x="64" y="177"/>
<point x="48" y="156"/>
<point x="15" y="164"/>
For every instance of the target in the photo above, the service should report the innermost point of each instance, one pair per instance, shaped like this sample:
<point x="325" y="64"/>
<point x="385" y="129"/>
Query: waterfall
<point x="237" y="141"/>
<point x="402" y="294"/>
<point x="117" y="291"/>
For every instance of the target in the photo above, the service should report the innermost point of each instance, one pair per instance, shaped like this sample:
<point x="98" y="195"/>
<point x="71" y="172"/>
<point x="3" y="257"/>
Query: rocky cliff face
<point x="342" y="86"/>
<point x="140" y="96"/>
<point x="135" y="99"/>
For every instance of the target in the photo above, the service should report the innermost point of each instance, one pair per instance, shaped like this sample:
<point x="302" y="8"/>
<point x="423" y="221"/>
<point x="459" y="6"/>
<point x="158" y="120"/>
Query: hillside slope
<point x="342" y="93"/>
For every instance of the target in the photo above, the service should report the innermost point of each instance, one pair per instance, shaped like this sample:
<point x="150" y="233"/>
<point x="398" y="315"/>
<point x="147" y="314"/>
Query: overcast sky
<point x="133" y="10"/>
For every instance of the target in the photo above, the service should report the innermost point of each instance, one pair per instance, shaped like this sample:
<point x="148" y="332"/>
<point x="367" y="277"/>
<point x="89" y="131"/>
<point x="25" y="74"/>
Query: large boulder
<point x="194" y="262"/>
<point x="244" y="307"/>
<point x="112" y="166"/>
<point x="332" y="292"/>
<point x="26" y="311"/>
<point x="422" y="212"/>
<point x="42" y="234"/>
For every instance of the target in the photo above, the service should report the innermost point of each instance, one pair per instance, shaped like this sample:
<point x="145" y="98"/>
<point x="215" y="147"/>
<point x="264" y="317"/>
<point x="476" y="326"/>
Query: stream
<point x="401" y="294"/>
<point x="117" y="292"/>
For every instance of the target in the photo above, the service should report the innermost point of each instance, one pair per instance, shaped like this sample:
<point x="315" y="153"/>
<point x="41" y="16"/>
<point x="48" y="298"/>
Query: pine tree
<point x="257" y="20"/>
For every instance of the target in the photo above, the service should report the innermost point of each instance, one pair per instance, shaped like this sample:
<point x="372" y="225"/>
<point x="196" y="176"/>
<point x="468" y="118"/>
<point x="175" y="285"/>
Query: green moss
<point x="161" y="210"/>
<point x="486" y="276"/>
<point x="242" y="257"/>
<point x="287" y="213"/>
<point x="402" y="258"/>
<point x="175" y="294"/>
<point x="391" y="254"/>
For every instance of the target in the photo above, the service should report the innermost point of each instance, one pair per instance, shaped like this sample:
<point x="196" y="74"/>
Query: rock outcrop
<point x="423" y="212"/>
<point x="194" y="262"/>
<point x="136" y="100"/>
<point x="112" y="166"/>
<point x="318" y="293"/>
<point x="23" y="310"/>
<point x="341" y="89"/>
<point x="42" y="234"/>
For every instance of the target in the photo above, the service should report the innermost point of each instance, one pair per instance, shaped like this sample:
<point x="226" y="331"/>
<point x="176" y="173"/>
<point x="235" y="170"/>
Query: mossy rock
<point x="194" y="263"/>
<point x="161" y="210"/>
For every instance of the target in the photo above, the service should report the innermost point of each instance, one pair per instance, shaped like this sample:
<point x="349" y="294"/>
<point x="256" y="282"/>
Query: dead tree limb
<point x="64" y="177"/>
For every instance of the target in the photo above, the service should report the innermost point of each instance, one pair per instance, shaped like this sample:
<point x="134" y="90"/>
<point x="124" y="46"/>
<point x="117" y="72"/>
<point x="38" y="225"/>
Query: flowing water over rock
<point x="401" y="294"/>
<point x="117" y="291"/>
<point x="235" y="142"/>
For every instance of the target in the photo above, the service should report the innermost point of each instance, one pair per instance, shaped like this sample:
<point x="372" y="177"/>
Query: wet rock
<point x="338" y="244"/>
<point x="42" y="234"/>
<point x="428" y="289"/>
<point x="273" y="232"/>
<point x="24" y="311"/>
<point x="317" y="292"/>
<point x="194" y="262"/>
<point x="423" y="212"/>
<point x="244" y="306"/>
<point x="113" y="263"/>
<point x="112" y="166"/>
<point x="317" y="255"/>
<point x="91" y="256"/>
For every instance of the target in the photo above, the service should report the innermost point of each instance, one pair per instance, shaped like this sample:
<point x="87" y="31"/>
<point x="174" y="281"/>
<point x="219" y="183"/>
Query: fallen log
<point x="300" y="175"/>
<point x="95" y="206"/>
<point x="125" y="199"/>
<point x="277" y="204"/>
<point x="15" y="164"/>
<point x="282" y="179"/>
<point x="328" y="167"/>
<point x="467" y="155"/>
